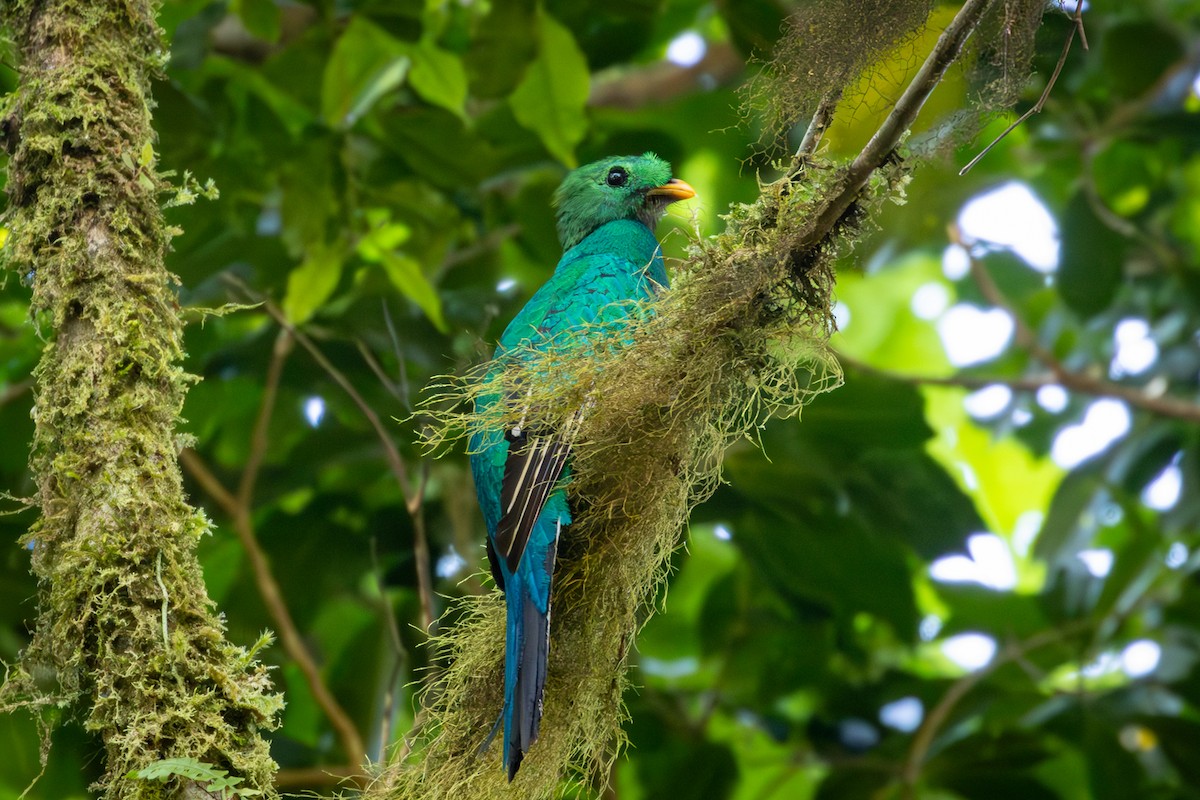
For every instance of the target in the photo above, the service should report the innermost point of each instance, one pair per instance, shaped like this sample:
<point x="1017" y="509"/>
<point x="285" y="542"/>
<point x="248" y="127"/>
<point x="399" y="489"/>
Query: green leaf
<point x="190" y="768"/>
<point x="292" y="113"/>
<point x="501" y="49"/>
<point x="367" y="63"/>
<point x="261" y="17"/>
<point x="405" y="274"/>
<point x="847" y="572"/>
<point x="1093" y="256"/>
<point x="219" y="782"/>
<point x="1069" y="526"/>
<point x="551" y="97"/>
<point x="380" y="245"/>
<point x="436" y="145"/>
<point x="438" y="76"/>
<point x="311" y="284"/>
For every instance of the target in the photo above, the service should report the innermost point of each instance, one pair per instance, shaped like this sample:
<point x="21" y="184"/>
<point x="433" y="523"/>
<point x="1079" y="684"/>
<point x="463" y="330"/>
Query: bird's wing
<point x="535" y="463"/>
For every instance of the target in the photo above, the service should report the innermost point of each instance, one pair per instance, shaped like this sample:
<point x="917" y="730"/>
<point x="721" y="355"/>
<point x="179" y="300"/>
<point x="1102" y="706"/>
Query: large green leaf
<point x="380" y="246"/>
<point x="1093" y="257"/>
<point x="366" y="64"/>
<point x="438" y="76"/>
<point x="831" y="563"/>
<point x="551" y="99"/>
<point x="312" y="283"/>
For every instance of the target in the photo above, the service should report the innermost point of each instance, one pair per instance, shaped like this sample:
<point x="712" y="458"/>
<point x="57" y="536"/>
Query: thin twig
<point x="413" y="498"/>
<point x="1076" y="27"/>
<point x="373" y="363"/>
<point x="821" y="119"/>
<point x="260" y="437"/>
<point x="1080" y="382"/>
<point x="272" y="597"/>
<point x="401" y="653"/>
<point x="398" y="350"/>
<point x="1028" y="384"/>
<point x="487" y="243"/>
<point x="319" y="776"/>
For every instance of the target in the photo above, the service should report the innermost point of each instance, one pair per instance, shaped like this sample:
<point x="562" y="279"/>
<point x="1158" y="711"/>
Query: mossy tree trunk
<point x="125" y="633"/>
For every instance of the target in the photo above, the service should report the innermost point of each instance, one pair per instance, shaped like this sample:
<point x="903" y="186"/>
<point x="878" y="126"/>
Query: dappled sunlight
<point x="1177" y="555"/>
<point x="1012" y="217"/>
<point x="1097" y="560"/>
<point x="449" y="564"/>
<point x="1104" y="422"/>
<point x="930" y="300"/>
<point x="904" y="715"/>
<point x="1162" y="493"/>
<point x="1052" y="398"/>
<point x="314" y="411"/>
<point x="1135" y="349"/>
<point x="989" y="564"/>
<point x="970" y="651"/>
<point x="972" y="335"/>
<point x="1140" y="658"/>
<point x="687" y="49"/>
<point x="990" y="401"/>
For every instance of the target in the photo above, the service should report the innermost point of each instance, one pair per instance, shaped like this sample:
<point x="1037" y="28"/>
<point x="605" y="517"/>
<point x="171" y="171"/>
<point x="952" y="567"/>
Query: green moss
<point x="115" y="544"/>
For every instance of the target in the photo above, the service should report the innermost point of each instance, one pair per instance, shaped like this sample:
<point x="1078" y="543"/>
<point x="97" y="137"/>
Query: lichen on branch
<point x="126" y="635"/>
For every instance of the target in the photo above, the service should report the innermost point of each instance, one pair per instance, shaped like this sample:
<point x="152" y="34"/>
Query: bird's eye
<point x="617" y="176"/>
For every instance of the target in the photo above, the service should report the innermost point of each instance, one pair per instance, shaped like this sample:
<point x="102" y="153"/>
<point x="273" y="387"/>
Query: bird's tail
<point x="527" y="648"/>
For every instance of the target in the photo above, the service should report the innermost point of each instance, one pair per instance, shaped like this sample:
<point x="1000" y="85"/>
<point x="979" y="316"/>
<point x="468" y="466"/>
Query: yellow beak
<point x="674" y="189"/>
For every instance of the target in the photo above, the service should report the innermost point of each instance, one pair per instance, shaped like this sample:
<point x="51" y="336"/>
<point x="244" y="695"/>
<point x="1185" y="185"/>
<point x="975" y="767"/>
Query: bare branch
<point x="1077" y="27"/>
<point x="817" y="126"/>
<point x="1081" y="382"/>
<point x="664" y="81"/>
<point x="413" y="496"/>
<point x="259" y="438"/>
<point x="272" y="597"/>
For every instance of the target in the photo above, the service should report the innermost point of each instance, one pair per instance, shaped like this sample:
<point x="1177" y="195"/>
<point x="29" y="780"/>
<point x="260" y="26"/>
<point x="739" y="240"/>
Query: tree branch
<point x="885" y="139"/>
<point x="259" y="438"/>
<point x="821" y="119"/>
<point x="413" y="496"/>
<point x="1081" y="382"/>
<point x="922" y="740"/>
<point x="664" y="81"/>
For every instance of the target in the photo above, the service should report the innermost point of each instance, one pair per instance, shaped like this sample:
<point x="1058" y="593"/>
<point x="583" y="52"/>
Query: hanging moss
<point x="125" y="635"/>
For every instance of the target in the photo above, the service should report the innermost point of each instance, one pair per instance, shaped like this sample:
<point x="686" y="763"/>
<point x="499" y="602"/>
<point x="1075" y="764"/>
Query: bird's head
<point x="620" y="187"/>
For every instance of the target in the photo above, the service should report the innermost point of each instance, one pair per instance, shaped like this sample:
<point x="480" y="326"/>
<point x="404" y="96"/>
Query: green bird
<point x="606" y="213"/>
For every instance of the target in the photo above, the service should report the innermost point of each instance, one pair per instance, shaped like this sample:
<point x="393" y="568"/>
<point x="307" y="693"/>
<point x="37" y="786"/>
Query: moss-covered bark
<point x="125" y="632"/>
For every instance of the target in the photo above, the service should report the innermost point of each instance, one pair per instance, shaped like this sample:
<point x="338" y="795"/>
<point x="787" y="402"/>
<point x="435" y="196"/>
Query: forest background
<point x="968" y="572"/>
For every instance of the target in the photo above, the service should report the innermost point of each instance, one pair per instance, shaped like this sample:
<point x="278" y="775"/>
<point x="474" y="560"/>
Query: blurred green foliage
<point x="385" y="170"/>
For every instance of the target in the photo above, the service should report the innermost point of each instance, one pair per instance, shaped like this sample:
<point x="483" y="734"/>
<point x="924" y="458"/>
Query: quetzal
<point x="606" y="213"/>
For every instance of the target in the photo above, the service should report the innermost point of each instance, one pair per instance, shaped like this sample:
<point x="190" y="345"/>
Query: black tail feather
<point x="531" y="678"/>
